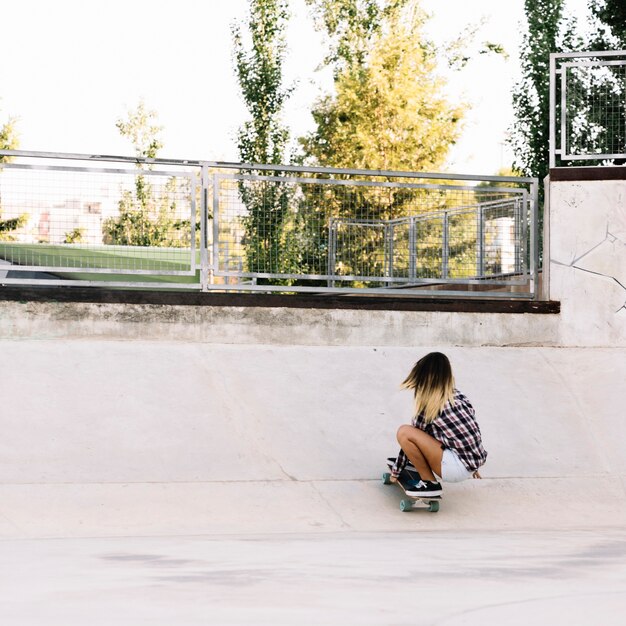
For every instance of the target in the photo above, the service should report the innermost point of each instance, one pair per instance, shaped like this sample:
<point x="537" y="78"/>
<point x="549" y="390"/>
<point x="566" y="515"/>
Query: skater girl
<point x="444" y="440"/>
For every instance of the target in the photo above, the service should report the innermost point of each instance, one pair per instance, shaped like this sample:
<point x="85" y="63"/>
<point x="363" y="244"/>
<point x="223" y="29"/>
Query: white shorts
<point x="452" y="470"/>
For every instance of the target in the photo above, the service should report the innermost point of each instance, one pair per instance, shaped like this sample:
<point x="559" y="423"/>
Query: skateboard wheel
<point x="433" y="507"/>
<point x="386" y="478"/>
<point x="406" y="505"/>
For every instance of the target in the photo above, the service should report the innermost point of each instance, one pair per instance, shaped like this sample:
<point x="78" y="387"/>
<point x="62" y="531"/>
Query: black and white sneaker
<point x="424" y="489"/>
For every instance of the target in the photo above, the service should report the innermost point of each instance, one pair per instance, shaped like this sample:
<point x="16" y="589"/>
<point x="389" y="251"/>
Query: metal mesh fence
<point x="588" y="120"/>
<point x="97" y="221"/>
<point x="226" y="226"/>
<point x="363" y="233"/>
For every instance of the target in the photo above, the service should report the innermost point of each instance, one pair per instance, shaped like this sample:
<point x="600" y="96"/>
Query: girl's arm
<point x="399" y="465"/>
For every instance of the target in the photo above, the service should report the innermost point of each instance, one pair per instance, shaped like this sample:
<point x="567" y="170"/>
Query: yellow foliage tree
<point x="9" y="140"/>
<point x="389" y="112"/>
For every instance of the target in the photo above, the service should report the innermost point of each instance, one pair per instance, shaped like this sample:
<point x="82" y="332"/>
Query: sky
<point x="70" y="69"/>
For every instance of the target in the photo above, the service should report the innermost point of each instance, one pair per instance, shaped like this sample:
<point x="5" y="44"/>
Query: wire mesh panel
<point x="503" y="239"/>
<point x="359" y="250"/>
<point x="73" y="222"/>
<point x="588" y="121"/>
<point x="301" y="231"/>
<point x="430" y="246"/>
<point x="462" y="243"/>
<point x="401" y="254"/>
<point x="221" y="226"/>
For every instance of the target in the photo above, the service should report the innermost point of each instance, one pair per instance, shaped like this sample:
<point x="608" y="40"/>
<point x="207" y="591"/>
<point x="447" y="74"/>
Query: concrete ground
<point x="149" y="482"/>
<point x="420" y="577"/>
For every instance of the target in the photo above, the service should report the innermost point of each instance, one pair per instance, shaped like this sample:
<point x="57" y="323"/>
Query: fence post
<point x="412" y="250"/>
<point x="444" y="247"/>
<point x="389" y="234"/>
<point x="332" y="243"/>
<point x="204" y="223"/>
<point x="552" y="114"/>
<point x="215" y="265"/>
<point x="534" y="239"/>
<point x="480" y="269"/>
<point x="518" y="216"/>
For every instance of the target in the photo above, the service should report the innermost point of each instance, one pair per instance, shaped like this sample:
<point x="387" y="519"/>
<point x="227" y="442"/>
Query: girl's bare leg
<point x="423" y="451"/>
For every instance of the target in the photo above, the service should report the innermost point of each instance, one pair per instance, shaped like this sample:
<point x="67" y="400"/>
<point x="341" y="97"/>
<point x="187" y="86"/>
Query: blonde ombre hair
<point x="433" y="385"/>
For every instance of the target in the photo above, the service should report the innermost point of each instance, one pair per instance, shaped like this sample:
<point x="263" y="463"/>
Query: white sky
<point x="71" y="68"/>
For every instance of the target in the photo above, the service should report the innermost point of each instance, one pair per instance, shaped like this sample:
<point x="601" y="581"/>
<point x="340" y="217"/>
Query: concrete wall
<point x="587" y="253"/>
<point x="275" y="326"/>
<point x="103" y="438"/>
<point x="156" y="419"/>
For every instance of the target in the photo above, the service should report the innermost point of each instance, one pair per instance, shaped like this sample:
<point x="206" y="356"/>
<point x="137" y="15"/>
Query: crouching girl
<point x="444" y="440"/>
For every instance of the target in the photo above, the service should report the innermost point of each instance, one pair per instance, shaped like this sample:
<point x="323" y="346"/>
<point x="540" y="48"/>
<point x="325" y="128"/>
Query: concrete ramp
<point x="211" y="463"/>
<point x="109" y="438"/>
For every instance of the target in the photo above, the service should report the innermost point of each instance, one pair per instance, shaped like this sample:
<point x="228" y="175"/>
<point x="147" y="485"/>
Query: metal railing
<point x="74" y="219"/>
<point x="587" y="107"/>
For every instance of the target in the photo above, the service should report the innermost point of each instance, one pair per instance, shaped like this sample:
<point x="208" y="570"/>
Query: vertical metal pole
<point x="545" y="264"/>
<point x="389" y="231"/>
<point x="480" y="239"/>
<point x="332" y="242"/>
<point x="519" y="243"/>
<point x="552" y="114"/>
<point x="526" y="222"/>
<point x="444" y="247"/>
<point x="563" y="150"/>
<point x="412" y="250"/>
<point x="192" y="220"/>
<point x="215" y="266"/>
<point x="534" y="239"/>
<point x="204" y="221"/>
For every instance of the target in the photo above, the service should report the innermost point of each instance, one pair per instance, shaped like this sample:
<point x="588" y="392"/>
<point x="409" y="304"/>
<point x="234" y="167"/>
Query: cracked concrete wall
<point x="587" y="252"/>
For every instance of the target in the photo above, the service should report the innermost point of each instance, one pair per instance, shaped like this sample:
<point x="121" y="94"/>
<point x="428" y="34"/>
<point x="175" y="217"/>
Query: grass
<point x="84" y="258"/>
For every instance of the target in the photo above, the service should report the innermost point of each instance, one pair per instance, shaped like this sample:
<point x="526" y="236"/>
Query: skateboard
<point x="410" y="503"/>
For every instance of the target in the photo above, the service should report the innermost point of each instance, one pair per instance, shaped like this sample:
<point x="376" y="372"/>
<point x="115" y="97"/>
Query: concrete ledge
<point x="97" y="295"/>
<point x="272" y="325"/>
<point x="615" y="172"/>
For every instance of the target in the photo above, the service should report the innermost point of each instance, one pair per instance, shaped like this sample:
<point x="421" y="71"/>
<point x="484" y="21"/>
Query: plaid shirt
<point x="456" y="428"/>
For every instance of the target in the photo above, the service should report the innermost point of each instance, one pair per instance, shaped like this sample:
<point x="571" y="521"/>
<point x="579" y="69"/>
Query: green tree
<point x="610" y="30"/>
<point x="387" y="112"/>
<point x="9" y="140"/>
<point x="263" y="139"/>
<point x="145" y="217"/>
<point x="74" y="236"/>
<point x="547" y="31"/>
<point x="609" y="33"/>
<point x="350" y="26"/>
<point x="142" y="130"/>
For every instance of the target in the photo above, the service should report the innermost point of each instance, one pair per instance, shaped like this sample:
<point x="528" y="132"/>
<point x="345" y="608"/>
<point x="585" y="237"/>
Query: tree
<point x="9" y="140"/>
<point x="388" y="112"/>
<point x="350" y="26"/>
<point x="141" y="128"/>
<point x="264" y="137"/>
<point x="548" y="31"/>
<point x="609" y="33"/>
<point x="146" y="218"/>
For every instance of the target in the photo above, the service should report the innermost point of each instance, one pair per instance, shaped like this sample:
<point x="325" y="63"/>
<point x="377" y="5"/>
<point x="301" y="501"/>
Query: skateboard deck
<point x="411" y="503"/>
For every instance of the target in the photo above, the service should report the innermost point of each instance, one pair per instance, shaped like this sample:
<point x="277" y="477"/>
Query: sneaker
<point x="424" y="488"/>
